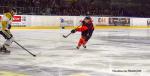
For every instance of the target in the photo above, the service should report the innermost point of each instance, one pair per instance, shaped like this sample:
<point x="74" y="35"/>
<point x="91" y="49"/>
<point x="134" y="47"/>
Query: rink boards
<point x="36" y="21"/>
<point x="72" y="27"/>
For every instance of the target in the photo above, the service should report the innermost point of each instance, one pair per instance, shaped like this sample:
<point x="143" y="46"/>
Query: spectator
<point x="75" y="7"/>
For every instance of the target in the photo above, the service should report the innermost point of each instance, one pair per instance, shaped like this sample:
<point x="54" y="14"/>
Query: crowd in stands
<point x="64" y="7"/>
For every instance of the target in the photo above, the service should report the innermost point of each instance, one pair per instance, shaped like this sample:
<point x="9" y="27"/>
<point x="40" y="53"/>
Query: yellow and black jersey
<point x="5" y="24"/>
<point x="6" y="20"/>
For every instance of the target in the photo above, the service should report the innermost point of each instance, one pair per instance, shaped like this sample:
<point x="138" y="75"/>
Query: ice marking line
<point x="7" y="73"/>
<point x="79" y="74"/>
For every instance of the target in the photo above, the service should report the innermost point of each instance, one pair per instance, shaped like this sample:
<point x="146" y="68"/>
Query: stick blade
<point x="34" y="55"/>
<point x="64" y="36"/>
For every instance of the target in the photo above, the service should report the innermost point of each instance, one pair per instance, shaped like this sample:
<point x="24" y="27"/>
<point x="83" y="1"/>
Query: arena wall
<point x="51" y="22"/>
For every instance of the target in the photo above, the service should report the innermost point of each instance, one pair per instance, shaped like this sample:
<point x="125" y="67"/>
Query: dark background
<point x="132" y="8"/>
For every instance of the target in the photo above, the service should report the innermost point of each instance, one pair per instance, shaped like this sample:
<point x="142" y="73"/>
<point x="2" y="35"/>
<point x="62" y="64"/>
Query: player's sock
<point x="84" y="44"/>
<point x="80" y="42"/>
<point x="78" y="47"/>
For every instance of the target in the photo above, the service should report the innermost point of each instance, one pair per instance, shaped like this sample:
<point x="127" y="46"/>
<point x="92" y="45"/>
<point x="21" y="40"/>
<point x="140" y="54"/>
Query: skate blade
<point x="4" y="53"/>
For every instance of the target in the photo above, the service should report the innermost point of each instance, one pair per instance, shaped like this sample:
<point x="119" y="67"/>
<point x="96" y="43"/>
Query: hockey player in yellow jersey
<point x="5" y="30"/>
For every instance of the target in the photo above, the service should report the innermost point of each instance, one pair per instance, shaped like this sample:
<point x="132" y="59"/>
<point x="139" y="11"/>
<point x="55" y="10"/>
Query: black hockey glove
<point x="73" y="31"/>
<point x="9" y="26"/>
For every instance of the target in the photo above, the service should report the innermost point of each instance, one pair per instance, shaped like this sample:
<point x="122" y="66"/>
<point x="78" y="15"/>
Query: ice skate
<point x="78" y="47"/>
<point x="84" y="46"/>
<point x="4" y="50"/>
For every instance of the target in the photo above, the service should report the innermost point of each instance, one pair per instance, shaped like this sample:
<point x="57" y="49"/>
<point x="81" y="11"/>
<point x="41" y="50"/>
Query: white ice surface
<point x="108" y="50"/>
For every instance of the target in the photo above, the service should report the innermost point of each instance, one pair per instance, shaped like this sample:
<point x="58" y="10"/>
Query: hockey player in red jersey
<point x="86" y="30"/>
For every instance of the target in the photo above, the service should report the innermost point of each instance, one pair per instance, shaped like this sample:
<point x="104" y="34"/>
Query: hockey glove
<point x="9" y="26"/>
<point x="73" y="31"/>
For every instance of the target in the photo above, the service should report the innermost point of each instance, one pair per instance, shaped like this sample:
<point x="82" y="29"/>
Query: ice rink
<point x="117" y="52"/>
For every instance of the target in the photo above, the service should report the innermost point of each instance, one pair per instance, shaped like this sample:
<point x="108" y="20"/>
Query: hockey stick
<point x="20" y="45"/>
<point x="65" y="36"/>
<point x="25" y="49"/>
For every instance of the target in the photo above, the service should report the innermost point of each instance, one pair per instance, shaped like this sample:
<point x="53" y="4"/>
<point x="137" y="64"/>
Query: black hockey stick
<point x="65" y="36"/>
<point x="21" y="46"/>
<point x="25" y="49"/>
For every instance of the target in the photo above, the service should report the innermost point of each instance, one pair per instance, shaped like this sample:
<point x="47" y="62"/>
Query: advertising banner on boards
<point x="119" y="21"/>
